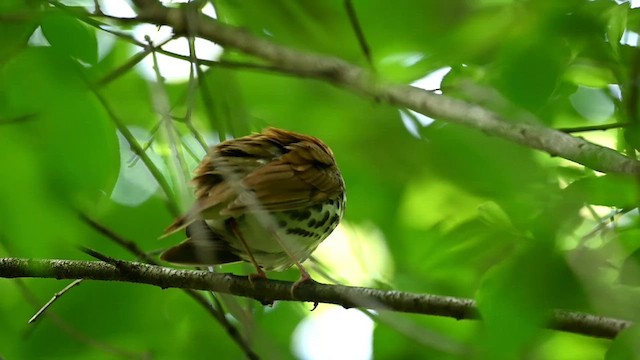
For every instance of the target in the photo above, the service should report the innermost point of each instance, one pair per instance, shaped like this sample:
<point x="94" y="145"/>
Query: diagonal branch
<point x="266" y="291"/>
<point x="359" y="80"/>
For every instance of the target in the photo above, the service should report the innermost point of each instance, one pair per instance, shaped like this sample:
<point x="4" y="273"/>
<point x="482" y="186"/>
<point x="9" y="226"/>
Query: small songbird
<point x="268" y="199"/>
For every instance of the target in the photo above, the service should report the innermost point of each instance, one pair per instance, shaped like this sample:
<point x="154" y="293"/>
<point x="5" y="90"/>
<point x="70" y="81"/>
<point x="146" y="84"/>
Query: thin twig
<point x="122" y="69"/>
<point x="125" y="243"/>
<point x="172" y="202"/>
<point x="191" y="93"/>
<point x="362" y="40"/>
<point x="88" y="18"/>
<point x="190" y="151"/>
<point x="76" y="333"/>
<point x="630" y="98"/>
<point x="97" y="9"/>
<point x="163" y="108"/>
<point x="593" y="128"/>
<point x="147" y="145"/>
<point x="55" y="297"/>
<point x="67" y="328"/>
<point x="207" y="102"/>
<point x="99" y="256"/>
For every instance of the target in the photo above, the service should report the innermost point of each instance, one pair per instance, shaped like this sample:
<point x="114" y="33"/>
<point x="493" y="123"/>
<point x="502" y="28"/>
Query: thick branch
<point x="267" y="291"/>
<point x="354" y="78"/>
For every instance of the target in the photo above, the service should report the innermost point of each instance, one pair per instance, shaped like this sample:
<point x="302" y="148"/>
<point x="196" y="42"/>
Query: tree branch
<point x="267" y="291"/>
<point x="358" y="80"/>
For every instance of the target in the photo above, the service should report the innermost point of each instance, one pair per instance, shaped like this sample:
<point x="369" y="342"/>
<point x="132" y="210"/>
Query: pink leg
<point x="304" y="275"/>
<point x="238" y="234"/>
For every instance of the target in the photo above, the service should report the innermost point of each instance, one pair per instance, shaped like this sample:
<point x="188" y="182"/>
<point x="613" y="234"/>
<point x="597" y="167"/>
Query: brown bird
<point x="268" y="199"/>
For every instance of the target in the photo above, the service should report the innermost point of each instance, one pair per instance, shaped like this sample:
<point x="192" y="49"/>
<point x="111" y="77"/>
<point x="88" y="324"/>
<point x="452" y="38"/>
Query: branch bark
<point x="267" y="291"/>
<point x="361" y="81"/>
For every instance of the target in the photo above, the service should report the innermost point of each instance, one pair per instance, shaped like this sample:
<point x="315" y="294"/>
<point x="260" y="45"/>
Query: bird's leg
<point x="236" y="231"/>
<point x="304" y="274"/>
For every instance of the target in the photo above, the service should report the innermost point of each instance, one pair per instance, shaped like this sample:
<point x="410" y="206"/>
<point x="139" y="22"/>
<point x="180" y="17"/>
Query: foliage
<point x="449" y="210"/>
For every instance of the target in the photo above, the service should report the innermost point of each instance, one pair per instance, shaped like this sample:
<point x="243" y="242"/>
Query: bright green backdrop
<point x="448" y="210"/>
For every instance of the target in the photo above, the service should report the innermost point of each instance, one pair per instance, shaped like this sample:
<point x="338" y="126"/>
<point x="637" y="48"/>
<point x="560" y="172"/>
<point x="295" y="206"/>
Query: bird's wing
<point x="273" y="171"/>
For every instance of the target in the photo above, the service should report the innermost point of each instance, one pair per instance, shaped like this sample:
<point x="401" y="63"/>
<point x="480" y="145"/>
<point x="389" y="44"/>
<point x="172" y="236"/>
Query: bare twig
<point x="172" y="202"/>
<point x="175" y="161"/>
<point x="102" y="257"/>
<point x="594" y="127"/>
<point x="266" y="291"/>
<point x="362" y="40"/>
<point x="55" y="297"/>
<point x="76" y="333"/>
<point x="97" y="9"/>
<point x="147" y="145"/>
<point x="122" y="69"/>
<point x="125" y="243"/>
<point x="67" y="328"/>
<point x="191" y="94"/>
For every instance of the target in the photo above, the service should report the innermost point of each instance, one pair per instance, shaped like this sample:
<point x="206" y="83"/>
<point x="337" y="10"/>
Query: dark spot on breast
<point x="322" y="221"/>
<point x="300" y="232"/>
<point x="282" y="223"/>
<point x="304" y="215"/>
<point x="311" y="223"/>
<point x="316" y="207"/>
<point x="330" y="226"/>
<point x="293" y="214"/>
<point x="335" y="219"/>
<point x="299" y="215"/>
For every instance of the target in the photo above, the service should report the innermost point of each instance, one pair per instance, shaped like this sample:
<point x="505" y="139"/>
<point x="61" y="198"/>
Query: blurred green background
<point x="432" y="207"/>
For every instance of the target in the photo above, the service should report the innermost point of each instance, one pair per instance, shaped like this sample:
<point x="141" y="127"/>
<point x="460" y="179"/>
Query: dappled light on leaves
<point x="488" y="148"/>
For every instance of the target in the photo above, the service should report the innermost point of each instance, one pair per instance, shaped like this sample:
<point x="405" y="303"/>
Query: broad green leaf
<point x="70" y="36"/>
<point x="33" y="222"/>
<point x="74" y="140"/>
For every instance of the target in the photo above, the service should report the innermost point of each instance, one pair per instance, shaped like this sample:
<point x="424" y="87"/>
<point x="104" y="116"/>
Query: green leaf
<point x="617" y="24"/>
<point x="15" y="34"/>
<point x="630" y="270"/>
<point x="590" y="75"/>
<point x="608" y="190"/>
<point x="30" y="213"/>
<point x="75" y="141"/>
<point x="516" y="299"/>
<point x="625" y="346"/>
<point x="70" y="36"/>
<point x="528" y="71"/>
